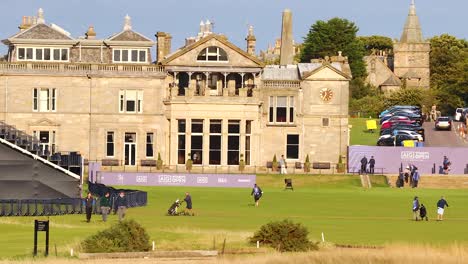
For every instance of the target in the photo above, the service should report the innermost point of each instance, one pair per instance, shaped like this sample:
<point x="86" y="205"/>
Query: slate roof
<point x="41" y="31"/>
<point x="392" y="81"/>
<point x="129" y="35"/>
<point x="280" y="73"/>
<point x="412" y="32"/>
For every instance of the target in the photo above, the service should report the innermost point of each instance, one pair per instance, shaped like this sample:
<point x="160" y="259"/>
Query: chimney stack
<point x="90" y="34"/>
<point x="161" y="45"/>
<point x="251" y="40"/>
<point x="287" y="49"/>
<point x="167" y="44"/>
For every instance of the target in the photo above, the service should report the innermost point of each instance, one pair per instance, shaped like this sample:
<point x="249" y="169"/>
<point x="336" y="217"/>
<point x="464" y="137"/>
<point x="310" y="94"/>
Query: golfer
<point x="440" y="208"/>
<point x="415" y="208"/>
<point x="188" y="202"/>
<point x="257" y="193"/>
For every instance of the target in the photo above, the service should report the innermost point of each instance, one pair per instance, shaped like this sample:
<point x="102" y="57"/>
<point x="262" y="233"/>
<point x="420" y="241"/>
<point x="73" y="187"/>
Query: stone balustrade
<point x="281" y="84"/>
<point x="82" y="69"/>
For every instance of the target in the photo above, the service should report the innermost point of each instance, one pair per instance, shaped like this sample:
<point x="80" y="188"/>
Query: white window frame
<point x="34" y="53"/>
<point x="248" y="147"/>
<point x="113" y="143"/>
<point x="234" y="134"/>
<point x="124" y="97"/>
<point x="218" y="134"/>
<point x="149" y="143"/>
<point x="217" y="54"/>
<point x="289" y="105"/>
<point x="51" y="99"/>
<point x="129" y="57"/>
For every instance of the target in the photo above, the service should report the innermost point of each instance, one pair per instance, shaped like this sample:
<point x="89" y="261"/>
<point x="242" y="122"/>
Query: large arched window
<point x="212" y="54"/>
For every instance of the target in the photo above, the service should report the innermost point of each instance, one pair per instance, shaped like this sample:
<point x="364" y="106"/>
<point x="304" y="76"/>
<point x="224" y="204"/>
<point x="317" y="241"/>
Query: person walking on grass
<point x="188" y="203"/>
<point x="257" y="194"/>
<point x="105" y="206"/>
<point x="121" y="205"/>
<point x="283" y="166"/>
<point x="441" y="204"/>
<point x="415" y="208"/>
<point x="89" y="202"/>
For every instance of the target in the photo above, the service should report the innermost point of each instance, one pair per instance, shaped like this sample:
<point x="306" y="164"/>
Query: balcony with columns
<point x="197" y="85"/>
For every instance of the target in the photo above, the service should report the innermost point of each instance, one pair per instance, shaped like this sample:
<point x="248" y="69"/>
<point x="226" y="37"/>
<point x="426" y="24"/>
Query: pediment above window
<point x="44" y="122"/>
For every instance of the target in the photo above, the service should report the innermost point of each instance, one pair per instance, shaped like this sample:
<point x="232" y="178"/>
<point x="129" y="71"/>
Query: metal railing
<point x="61" y="206"/>
<point x="141" y="166"/>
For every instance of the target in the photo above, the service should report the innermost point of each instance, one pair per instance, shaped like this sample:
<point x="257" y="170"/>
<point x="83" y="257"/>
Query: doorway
<point x="130" y="149"/>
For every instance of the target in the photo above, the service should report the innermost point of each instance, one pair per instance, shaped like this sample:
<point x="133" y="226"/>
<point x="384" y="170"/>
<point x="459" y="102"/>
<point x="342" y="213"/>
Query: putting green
<point x="334" y="205"/>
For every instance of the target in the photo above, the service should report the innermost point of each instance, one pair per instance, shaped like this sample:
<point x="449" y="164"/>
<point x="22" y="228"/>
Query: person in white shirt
<point x="283" y="165"/>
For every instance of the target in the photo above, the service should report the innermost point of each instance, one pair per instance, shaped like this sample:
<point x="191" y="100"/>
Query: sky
<point x="181" y="18"/>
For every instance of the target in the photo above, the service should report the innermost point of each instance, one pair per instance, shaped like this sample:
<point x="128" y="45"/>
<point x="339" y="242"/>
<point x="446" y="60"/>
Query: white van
<point x="458" y="113"/>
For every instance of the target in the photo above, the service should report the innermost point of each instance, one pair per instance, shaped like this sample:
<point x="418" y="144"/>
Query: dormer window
<point x="42" y="54"/>
<point x="130" y="55"/>
<point x="212" y="54"/>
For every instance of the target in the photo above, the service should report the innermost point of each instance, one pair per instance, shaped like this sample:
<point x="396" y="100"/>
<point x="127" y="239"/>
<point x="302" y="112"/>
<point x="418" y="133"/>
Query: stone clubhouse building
<point x="208" y="100"/>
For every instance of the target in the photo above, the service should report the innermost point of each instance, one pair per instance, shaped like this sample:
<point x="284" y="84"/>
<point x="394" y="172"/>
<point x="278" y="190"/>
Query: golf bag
<point x="173" y="209"/>
<point x="400" y="180"/>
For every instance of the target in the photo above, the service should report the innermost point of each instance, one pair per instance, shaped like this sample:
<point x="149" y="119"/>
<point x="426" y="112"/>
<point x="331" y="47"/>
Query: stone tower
<point x="251" y="40"/>
<point x="287" y="48"/>
<point x="411" y="53"/>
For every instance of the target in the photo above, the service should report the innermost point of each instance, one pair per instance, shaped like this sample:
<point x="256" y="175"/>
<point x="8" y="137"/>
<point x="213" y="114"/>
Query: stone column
<point x="189" y="92"/>
<point x="206" y="88"/>
<point x="225" y="89"/>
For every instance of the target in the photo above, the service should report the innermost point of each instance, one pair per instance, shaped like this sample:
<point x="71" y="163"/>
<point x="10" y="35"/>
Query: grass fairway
<point x="335" y="205"/>
<point x="359" y="133"/>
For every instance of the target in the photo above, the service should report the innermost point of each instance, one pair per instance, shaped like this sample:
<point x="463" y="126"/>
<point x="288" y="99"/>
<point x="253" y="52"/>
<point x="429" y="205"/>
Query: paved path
<point x="442" y="138"/>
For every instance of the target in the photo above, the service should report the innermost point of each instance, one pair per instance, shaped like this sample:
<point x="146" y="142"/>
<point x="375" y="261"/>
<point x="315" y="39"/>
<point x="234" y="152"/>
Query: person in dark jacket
<point x="121" y="205"/>
<point x="363" y="165"/>
<point x="423" y="212"/>
<point x="416" y="177"/>
<point x="89" y="202"/>
<point x="188" y="203"/>
<point x="257" y="193"/>
<point x="371" y="165"/>
<point x="105" y="206"/>
<point x="441" y="208"/>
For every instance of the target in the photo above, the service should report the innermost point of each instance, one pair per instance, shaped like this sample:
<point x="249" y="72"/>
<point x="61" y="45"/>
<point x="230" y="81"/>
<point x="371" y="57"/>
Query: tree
<point x="326" y="38"/>
<point x="449" y="71"/>
<point x="375" y="42"/>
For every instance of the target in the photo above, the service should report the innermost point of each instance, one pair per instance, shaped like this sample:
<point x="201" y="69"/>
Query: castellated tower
<point x="411" y="53"/>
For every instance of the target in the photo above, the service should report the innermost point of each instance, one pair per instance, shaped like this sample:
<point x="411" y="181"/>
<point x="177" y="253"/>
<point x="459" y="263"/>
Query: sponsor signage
<point x="428" y="160"/>
<point x="176" y="179"/>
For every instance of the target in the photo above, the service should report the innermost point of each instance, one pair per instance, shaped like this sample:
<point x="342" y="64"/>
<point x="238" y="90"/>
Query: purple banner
<point x="428" y="160"/>
<point x="176" y="179"/>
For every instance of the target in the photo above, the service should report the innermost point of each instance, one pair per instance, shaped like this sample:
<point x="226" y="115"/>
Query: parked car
<point x="443" y="122"/>
<point x="413" y="127"/>
<point x="458" y="114"/>
<point x="389" y="124"/>
<point x="393" y="118"/>
<point x="463" y="115"/>
<point x="413" y="116"/>
<point x="391" y="140"/>
<point x="410" y="108"/>
<point x="415" y="134"/>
